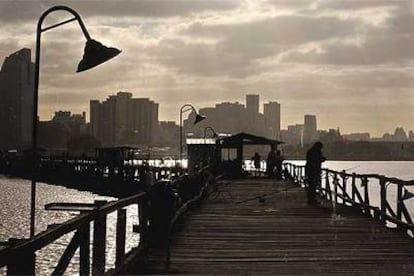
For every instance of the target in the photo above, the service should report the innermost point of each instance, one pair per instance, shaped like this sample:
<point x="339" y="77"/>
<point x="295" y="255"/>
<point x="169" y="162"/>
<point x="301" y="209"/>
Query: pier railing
<point x="24" y="251"/>
<point x="90" y="227"/>
<point x="383" y="198"/>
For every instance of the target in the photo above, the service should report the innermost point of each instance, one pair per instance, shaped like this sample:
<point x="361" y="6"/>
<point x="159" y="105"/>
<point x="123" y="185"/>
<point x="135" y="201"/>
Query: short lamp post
<point x="198" y="118"/>
<point x="94" y="54"/>
<point x="214" y="133"/>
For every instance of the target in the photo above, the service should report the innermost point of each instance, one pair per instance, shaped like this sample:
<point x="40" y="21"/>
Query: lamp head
<point x="199" y="118"/>
<point x="94" y="54"/>
<point x="407" y="195"/>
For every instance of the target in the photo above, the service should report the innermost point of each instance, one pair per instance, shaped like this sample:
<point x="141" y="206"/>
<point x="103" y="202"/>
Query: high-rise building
<point x="310" y="132"/>
<point x="252" y="104"/>
<point x="271" y="112"/>
<point x="123" y="120"/>
<point x="16" y="104"/>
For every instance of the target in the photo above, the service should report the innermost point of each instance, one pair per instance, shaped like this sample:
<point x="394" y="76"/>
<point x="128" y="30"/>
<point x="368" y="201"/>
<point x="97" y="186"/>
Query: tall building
<point x="252" y="104"/>
<point x="123" y="120"/>
<point x="310" y="132"/>
<point x="16" y="104"/>
<point x="271" y="112"/>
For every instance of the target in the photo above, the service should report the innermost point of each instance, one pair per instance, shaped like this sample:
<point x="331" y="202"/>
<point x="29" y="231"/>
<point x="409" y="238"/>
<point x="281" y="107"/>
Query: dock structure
<point x="259" y="226"/>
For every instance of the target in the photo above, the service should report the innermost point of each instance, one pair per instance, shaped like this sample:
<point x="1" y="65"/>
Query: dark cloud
<point x="240" y="46"/>
<point x="19" y="10"/>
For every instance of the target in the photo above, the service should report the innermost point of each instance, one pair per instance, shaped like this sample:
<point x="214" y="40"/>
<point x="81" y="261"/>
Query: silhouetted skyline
<point x="348" y="62"/>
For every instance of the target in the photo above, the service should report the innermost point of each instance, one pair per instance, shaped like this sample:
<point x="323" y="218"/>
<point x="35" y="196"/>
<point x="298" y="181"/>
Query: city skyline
<point x="348" y="62"/>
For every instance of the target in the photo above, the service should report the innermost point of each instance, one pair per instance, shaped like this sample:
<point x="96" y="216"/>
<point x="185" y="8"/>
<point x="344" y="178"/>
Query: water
<point x="15" y="219"/>
<point x="15" y="208"/>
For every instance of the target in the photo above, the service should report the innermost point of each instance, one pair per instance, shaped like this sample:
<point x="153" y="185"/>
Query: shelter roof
<point x="247" y="139"/>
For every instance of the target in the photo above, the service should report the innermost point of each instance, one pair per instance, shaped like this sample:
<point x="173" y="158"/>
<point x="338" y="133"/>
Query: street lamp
<point x="94" y="54"/>
<point x="198" y="118"/>
<point x="215" y="135"/>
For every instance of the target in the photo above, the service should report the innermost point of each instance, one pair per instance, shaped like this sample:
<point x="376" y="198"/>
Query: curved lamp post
<point x="198" y="118"/>
<point x="94" y="54"/>
<point x="215" y="135"/>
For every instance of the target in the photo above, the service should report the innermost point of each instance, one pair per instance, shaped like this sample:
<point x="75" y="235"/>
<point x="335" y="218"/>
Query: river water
<point x="15" y="220"/>
<point x="15" y="209"/>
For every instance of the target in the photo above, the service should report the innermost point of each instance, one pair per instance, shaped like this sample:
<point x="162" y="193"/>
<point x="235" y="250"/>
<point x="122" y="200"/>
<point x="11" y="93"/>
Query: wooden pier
<point x="260" y="226"/>
<point x="204" y="224"/>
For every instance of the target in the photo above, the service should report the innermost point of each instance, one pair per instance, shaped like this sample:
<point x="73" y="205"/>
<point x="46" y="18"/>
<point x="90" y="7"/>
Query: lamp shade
<point x="199" y="118"/>
<point x="407" y="195"/>
<point x="94" y="54"/>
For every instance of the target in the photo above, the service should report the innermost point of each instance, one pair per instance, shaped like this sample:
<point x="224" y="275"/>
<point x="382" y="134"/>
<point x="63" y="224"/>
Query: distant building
<point x="364" y="136"/>
<point x="293" y="135"/>
<point x="64" y="126"/>
<point x="271" y="112"/>
<point x="330" y="136"/>
<point x="310" y="132"/>
<point x="167" y="134"/>
<point x="252" y="104"/>
<point x="16" y="103"/>
<point x="123" y="120"/>
<point x="399" y="135"/>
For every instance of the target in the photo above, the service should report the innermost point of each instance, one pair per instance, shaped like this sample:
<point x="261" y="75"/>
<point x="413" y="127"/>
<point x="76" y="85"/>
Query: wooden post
<point x="143" y="216"/>
<point x="327" y="186"/>
<point x="399" y="203"/>
<point x="353" y="187"/>
<point x="366" y="194"/>
<point x="24" y="264"/>
<point x="344" y="193"/>
<point x="84" y="251"/>
<point x="335" y="182"/>
<point x="120" y="237"/>
<point x="99" y="242"/>
<point x="383" y="199"/>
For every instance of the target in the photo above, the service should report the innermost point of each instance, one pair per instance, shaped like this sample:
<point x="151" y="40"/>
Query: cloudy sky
<point x="350" y="62"/>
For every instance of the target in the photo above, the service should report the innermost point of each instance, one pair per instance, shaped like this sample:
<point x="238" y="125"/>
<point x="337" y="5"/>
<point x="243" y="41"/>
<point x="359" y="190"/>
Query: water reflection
<point x="15" y="220"/>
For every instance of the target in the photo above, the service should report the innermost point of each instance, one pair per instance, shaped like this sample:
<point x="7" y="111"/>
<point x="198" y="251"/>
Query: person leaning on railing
<point x="314" y="160"/>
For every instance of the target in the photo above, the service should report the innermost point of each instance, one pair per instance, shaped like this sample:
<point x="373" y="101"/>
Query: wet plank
<point x="266" y="228"/>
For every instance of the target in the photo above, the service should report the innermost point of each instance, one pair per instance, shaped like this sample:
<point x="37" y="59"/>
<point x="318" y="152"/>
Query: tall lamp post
<point x="198" y="118"/>
<point x="215" y="135"/>
<point x="94" y="54"/>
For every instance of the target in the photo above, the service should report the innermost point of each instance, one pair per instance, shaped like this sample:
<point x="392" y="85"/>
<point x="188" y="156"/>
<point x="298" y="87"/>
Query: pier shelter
<point x="200" y="152"/>
<point x="230" y="151"/>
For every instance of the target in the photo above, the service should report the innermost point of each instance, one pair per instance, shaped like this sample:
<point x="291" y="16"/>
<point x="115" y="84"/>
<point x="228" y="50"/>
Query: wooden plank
<point x="259" y="235"/>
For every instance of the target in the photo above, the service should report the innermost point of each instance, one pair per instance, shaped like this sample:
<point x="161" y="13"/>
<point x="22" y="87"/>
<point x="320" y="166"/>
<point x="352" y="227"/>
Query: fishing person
<point x="314" y="160"/>
<point x="256" y="163"/>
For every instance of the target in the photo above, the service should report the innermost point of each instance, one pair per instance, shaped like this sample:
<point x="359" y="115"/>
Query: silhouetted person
<point x="271" y="162"/>
<point x="278" y="164"/>
<point x="256" y="162"/>
<point x="314" y="159"/>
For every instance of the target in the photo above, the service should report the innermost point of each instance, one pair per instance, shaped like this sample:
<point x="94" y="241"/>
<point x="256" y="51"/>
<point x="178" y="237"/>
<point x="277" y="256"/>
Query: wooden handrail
<point x="48" y="236"/>
<point x="384" y="212"/>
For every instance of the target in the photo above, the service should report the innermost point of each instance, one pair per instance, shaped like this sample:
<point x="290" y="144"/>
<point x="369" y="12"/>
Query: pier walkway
<point x="260" y="226"/>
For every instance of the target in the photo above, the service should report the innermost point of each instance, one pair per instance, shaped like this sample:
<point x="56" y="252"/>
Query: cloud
<point x="345" y="61"/>
<point x="236" y="50"/>
<point x="19" y="10"/>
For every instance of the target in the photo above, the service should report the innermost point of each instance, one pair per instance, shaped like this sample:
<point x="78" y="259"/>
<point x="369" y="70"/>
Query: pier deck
<point x="266" y="227"/>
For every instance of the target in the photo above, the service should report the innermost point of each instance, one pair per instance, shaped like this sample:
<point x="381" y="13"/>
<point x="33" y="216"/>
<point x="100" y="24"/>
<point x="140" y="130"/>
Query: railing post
<point x="84" y="251"/>
<point x="24" y="264"/>
<point x="143" y="217"/>
<point x="353" y="187"/>
<point x="399" y="203"/>
<point x="120" y="237"/>
<point x="327" y="186"/>
<point x="336" y="182"/>
<point x="99" y="242"/>
<point x="344" y="193"/>
<point x="366" y="194"/>
<point x="383" y="199"/>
